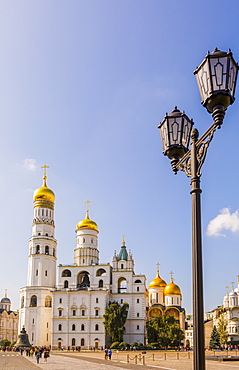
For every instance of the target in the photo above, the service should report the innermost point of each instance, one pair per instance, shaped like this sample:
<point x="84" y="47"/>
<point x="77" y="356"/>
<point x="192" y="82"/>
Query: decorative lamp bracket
<point x="202" y="144"/>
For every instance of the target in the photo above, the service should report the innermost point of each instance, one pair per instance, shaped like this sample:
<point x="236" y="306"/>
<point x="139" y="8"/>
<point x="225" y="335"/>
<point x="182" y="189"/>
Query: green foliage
<point x="165" y="331"/>
<point x="215" y="338"/>
<point x="124" y="345"/>
<point x="115" y="345"/>
<point x="153" y="345"/>
<point x="114" y="320"/>
<point x="222" y="330"/>
<point x="5" y="343"/>
<point x="136" y="344"/>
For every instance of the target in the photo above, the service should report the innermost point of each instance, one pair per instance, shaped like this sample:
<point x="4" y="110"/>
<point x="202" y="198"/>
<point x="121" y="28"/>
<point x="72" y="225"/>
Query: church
<point x="68" y="311"/>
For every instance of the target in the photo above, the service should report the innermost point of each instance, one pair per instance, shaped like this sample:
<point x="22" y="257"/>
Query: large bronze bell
<point x="23" y="340"/>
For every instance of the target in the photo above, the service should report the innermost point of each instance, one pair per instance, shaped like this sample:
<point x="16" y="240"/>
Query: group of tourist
<point x="38" y="352"/>
<point x="108" y="353"/>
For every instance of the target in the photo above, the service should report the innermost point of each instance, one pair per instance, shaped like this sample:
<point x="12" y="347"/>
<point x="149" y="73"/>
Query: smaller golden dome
<point x="87" y="223"/>
<point x="44" y="193"/>
<point x="157" y="283"/>
<point x="172" y="289"/>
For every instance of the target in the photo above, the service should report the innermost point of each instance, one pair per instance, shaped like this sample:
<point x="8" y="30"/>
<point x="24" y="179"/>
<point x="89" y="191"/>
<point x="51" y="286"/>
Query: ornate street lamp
<point x="216" y="77"/>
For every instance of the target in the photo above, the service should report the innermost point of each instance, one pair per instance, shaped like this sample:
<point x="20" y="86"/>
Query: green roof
<point x="123" y="254"/>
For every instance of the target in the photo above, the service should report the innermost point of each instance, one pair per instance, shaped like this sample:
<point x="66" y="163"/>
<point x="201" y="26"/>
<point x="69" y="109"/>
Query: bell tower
<point x="42" y="245"/>
<point x="35" y="310"/>
<point x="86" y="252"/>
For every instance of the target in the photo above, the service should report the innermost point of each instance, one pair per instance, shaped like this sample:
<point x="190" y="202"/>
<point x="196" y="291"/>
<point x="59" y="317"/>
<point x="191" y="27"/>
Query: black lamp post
<point x="216" y="77"/>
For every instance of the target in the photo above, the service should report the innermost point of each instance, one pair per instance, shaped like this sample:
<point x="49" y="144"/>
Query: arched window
<point x="101" y="272"/>
<point x="59" y="327"/>
<point x="22" y="302"/>
<point x="48" y="301"/>
<point x="96" y="327"/>
<point x="37" y="249"/>
<point x="66" y="273"/>
<point x="73" y="342"/>
<point x="100" y="283"/>
<point x="46" y="249"/>
<point x="53" y="252"/>
<point x="122" y="285"/>
<point x="66" y="284"/>
<point x="82" y="342"/>
<point x="73" y="327"/>
<point x="122" y="265"/>
<point x="33" y="301"/>
<point x="137" y="288"/>
<point x="138" y="281"/>
<point x="82" y="327"/>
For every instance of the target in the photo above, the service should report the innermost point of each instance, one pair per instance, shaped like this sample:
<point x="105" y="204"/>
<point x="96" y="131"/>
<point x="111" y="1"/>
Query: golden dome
<point x="157" y="283"/>
<point x="87" y="223"/>
<point x="44" y="193"/>
<point x="172" y="289"/>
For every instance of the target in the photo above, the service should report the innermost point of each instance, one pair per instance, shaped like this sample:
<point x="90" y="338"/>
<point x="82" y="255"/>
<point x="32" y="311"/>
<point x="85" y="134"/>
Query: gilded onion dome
<point x="44" y="193"/>
<point x="87" y="223"/>
<point x="157" y="282"/>
<point x="172" y="289"/>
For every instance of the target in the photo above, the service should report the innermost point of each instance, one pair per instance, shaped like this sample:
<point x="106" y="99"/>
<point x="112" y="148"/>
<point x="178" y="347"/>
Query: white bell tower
<point x="36" y="298"/>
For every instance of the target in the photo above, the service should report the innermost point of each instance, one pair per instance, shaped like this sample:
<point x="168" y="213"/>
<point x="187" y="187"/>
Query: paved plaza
<point x="96" y="361"/>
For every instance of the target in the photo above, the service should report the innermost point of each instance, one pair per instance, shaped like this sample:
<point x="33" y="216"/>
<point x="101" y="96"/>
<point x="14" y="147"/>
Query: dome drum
<point x="42" y="203"/>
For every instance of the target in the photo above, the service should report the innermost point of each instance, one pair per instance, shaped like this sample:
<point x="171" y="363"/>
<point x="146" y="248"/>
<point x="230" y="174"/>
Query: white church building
<point x="68" y="311"/>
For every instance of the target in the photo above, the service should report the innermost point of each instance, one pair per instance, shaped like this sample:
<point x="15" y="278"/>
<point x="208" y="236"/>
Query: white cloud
<point x="29" y="164"/>
<point x="224" y="221"/>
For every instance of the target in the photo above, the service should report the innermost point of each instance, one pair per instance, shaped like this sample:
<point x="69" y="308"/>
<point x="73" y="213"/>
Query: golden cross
<point x="171" y="276"/>
<point x="87" y="205"/>
<point x="238" y="279"/>
<point x="233" y="285"/>
<point x="5" y="293"/>
<point x="227" y="287"/>
<point x="123" y="241"/>
<point x="158" y="264"/>
<point x="45" y="167"/>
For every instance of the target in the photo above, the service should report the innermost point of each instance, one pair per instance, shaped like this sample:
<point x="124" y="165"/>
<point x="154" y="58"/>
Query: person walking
<point x="38" y="355"/>
<point x="45" y="355"/>
<point x="109" y="354"/>
<point x="106" y="353"/>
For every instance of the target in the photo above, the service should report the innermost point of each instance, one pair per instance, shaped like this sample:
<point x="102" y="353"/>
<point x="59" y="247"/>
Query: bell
<point x="23" y="340"/>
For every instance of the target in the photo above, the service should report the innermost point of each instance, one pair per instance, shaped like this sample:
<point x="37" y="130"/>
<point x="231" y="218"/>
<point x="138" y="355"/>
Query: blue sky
<point x="84" y="85"/>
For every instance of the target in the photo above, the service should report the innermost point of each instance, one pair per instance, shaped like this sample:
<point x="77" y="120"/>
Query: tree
<point x="5" y="343"/>
<point x="215" y="338"/>
<point x="222" y="329"/>
<point x="114" y="320"/>
<point x="164" y="330"/>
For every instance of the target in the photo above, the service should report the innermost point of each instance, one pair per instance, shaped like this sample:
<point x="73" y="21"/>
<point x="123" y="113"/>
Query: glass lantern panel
<point x="164" y="135"/>
<point x="232" y="77"/>
<point x="219" y="73"/>
<point x="203" y="80"/>
<point x="186" y="133"/>
<point x="175" y="127"/>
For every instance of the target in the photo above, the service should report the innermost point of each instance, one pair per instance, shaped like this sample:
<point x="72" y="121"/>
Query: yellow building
<point x="8" y="321"/>
<point x="165" y="299"/>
